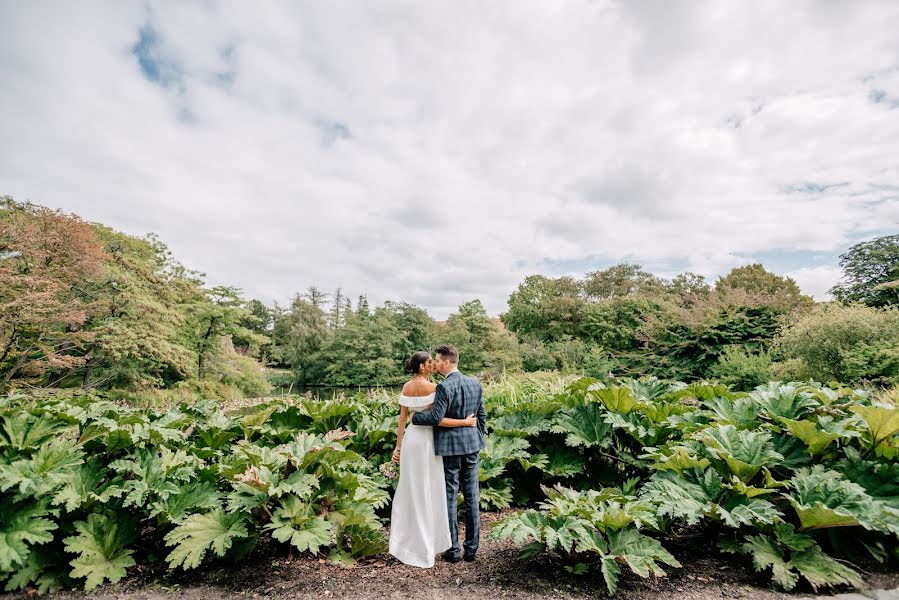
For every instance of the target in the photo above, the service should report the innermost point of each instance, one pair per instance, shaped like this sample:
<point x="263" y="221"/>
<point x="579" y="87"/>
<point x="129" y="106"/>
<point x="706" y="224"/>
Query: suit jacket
<point x="457" y="397"/>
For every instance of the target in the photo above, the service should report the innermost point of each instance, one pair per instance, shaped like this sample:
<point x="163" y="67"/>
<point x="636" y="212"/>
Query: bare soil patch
<point x="271" y="571"/>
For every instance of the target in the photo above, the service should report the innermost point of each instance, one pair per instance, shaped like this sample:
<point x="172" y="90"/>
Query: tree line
<point x="82" y="305"/>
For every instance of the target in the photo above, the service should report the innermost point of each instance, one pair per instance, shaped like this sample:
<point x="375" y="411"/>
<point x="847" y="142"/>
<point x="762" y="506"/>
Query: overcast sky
<point x="439" y="151"/>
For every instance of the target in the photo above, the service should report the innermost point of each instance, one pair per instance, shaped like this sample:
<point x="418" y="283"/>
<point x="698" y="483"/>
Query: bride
<point x="419" y="523"/>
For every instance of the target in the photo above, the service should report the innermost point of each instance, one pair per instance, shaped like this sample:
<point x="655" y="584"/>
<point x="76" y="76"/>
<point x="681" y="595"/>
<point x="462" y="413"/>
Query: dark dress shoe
<point x="450" y="556"/>
<point x="469" y="557"/>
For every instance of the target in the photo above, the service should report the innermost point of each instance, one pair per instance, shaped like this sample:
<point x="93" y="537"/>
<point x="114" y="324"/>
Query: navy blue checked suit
<point x="457" y="397"/>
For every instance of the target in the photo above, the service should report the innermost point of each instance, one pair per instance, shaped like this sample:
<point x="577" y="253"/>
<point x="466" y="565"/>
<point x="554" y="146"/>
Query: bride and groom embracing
<point x="438" y="450"/>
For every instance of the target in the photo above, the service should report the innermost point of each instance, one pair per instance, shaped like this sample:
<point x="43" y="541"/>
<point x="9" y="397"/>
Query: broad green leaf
<point x="100" y="546"/>
<point x="520" y="424"/>
<point x="22" y="524"/>
<point x="520" y="526"/>
<point x="619" y="400"/>
<point x="679" y="498"/>
<point x="639" y="552"/>
<point x="88" y="485"/>
<point x="295" y="522"/>
<point x="807" y="431"/>
<point x="199" y="533"/>
<point x="882" y="421"/>
<point x="584" y="426"/>
<point x="822" y="499"/>
<point x="741" y="412"/>
<point x="365" y="541"/>
<point x="193" y="497"/>
<point x="678" y="459"/>
<point x="562" y="461"/>
<point x="496" y="495"/>
<point x="765" y="554"/>
<point x="531" y="550"/>
<point x="743" y="511"/>
<point x="791" y="555"/>
<point x="500" y="451"/>
<point x="744" y="452"/>
<point x="610" y="573"/>
<point x="821" y="570"/>
<point x="297" y="483"/>
<point x="784" y="400"/>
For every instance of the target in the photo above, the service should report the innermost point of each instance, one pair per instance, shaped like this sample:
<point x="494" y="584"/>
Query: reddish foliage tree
<point x="45" y="258"/>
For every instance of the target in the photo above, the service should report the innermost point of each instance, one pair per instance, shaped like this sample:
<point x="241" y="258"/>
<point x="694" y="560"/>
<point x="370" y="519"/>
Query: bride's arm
<point x="401" y="429"/>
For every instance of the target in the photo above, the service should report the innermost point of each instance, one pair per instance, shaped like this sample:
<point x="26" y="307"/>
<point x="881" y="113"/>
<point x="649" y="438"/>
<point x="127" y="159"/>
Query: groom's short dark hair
<point x="449" y="352"/>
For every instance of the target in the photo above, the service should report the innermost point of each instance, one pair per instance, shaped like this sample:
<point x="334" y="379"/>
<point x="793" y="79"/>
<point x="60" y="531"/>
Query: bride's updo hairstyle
<point x="413" y="365"/>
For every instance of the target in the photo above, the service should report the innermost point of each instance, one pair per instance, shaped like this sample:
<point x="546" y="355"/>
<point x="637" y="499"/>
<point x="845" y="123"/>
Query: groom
<point x="457" y="397"/>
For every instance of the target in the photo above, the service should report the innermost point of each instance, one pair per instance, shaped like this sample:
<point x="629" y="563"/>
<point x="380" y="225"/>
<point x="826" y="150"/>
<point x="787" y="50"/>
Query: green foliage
<point x="792" y="555"/>
<point x="763" y="473"/>
<point x="601" y="528"/>
<point x="200" y="483"/>
<point x="201" y="532"/>
<point x="742" y="369"/>
<point x="756" y="279"/>
<point x="100" y="546"/>
<point x="836" y="342"/>
<point x="870" y="272"/>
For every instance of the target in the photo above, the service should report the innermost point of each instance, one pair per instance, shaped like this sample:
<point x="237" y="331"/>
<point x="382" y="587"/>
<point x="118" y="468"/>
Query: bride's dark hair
<point x="413" y="365"/>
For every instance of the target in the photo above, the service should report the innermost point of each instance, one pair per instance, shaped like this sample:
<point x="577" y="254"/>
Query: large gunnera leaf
<point x="584" y="426"/>
<point x="882" y="421"/>
<point x="823" y="498"/>
<point x="100" y="546"/>
<point x="792" y="555"/>
<point x="744" y="452"/>
<point x="200" y="533"/>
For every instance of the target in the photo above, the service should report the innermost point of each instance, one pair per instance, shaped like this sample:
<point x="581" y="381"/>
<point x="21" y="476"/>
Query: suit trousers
<point x="463" y="469"/>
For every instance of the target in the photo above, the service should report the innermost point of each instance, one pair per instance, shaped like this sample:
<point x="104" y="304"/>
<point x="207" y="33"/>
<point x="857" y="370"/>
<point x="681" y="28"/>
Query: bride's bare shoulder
<point x="416" y="388"/>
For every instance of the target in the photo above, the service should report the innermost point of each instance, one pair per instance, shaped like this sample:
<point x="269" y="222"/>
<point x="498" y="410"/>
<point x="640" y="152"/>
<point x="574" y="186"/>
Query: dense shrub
<point x="838" y="342"/>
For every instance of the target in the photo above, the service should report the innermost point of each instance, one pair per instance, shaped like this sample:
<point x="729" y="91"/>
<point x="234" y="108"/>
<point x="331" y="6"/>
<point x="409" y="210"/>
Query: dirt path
<point x="270" y="572"/>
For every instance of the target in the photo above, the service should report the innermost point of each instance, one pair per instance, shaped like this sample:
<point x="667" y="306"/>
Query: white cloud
<point x="817" y="281"/>
<point x="422" y="151"/>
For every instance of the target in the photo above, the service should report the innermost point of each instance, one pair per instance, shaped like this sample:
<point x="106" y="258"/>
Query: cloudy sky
<point x="439" y="151"/>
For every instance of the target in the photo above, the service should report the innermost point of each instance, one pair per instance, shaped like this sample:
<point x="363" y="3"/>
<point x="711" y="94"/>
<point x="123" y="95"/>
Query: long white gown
<point x="419" y="527"/>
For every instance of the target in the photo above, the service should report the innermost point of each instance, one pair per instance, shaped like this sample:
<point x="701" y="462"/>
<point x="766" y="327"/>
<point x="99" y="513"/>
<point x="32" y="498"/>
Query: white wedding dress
<point x="419" y="527"/>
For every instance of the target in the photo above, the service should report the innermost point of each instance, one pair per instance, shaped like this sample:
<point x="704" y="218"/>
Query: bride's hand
<point x="470" y="420"/>
<point x="396" y="456"/>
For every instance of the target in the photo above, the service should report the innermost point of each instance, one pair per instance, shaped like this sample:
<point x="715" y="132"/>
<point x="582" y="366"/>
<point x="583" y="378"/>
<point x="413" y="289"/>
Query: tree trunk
<point x="88" y="367"/>
<point x="86" y="380"/>
<point x="12" y="340"/>
<point x="201" y="354"/>
<point x="21" y="361"/>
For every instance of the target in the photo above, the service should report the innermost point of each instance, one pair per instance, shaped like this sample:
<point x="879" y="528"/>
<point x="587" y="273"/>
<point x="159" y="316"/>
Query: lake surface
<point x="326" y="392"/>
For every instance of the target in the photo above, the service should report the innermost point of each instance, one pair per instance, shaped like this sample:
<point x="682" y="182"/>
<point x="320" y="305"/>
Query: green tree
<point x="298" y="335"/>
<point x="337" y="315"/>
<point x="689" y="286"/>
<point x="870" y="273"/>
<point x="756" y="279"/>
<point x="218" y="313"/>
<point x="138" y="327"/>
<point x="837" y="342"/>
<point x="545" y="308"/>
<point x="482" y="342"/>
<point x="415" y="328"/>
<point x="364" y="351"/>
<point x="259" y="320"/>
<point x="622" y="280"/>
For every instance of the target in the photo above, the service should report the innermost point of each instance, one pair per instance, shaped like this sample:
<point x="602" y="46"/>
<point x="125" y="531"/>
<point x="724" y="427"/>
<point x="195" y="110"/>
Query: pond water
<point x="323" y="392"/>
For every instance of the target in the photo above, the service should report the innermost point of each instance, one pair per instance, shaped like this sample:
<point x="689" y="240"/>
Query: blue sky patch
<point x="154" y="69"/>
